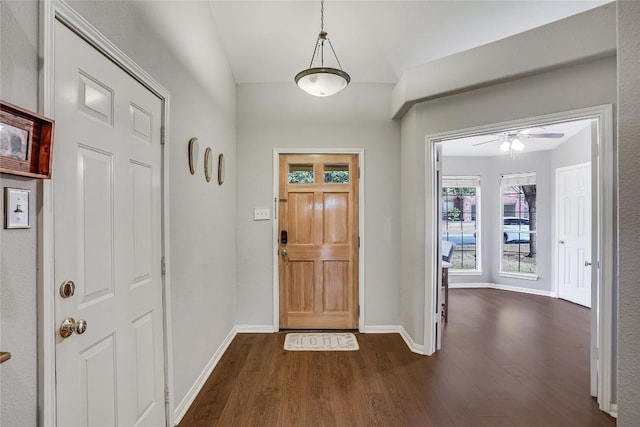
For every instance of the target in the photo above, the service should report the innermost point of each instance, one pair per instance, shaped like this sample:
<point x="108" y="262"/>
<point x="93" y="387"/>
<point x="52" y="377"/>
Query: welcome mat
<point x="321" y="341"/>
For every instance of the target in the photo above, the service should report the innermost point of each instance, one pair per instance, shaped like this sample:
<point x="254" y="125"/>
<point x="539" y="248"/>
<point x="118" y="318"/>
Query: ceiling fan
<point x="511" y="140"/>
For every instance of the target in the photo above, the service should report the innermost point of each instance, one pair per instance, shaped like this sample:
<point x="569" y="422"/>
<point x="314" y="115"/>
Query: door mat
<point x="321" y="341"/>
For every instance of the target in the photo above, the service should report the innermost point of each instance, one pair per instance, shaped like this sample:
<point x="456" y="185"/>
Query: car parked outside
<point x="517" y="224"/>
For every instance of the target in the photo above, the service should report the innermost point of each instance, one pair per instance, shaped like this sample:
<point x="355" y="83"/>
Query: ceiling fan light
<point x="322" y="81"/>
<point x="505" y="146"/>
<point x="517" y="145"/>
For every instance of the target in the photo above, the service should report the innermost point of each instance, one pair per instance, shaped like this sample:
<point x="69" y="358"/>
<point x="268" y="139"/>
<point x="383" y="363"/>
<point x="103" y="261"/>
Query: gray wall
<point x="573" y="151"/>
<point x="202" y="258"/>
<point x="579" y="86"/>
<point x="282" y="116"/>
<point x="18" y="85"/>
<point x="629" y="178"/>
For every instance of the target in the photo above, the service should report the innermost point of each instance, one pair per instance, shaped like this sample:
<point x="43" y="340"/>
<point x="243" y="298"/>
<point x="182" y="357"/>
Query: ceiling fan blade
<point x="486" y="142"/>
<point x="543" y="135"/>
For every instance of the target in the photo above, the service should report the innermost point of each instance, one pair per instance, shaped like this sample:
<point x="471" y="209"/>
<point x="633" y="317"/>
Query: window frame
<point x="465" y="181"/>
<point x="506" y="181"/>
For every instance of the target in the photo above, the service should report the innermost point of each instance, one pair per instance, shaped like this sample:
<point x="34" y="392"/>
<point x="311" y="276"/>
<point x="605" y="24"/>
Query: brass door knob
<point x="69" y="326"/>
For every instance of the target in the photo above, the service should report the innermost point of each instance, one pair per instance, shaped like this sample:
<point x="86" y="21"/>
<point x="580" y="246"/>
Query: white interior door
<point x="573" y="205"/>
<point x="107" y="231"/>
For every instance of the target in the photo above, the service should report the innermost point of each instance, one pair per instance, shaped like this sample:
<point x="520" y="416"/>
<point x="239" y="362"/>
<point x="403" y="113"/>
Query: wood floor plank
<point x="508" y="359"/>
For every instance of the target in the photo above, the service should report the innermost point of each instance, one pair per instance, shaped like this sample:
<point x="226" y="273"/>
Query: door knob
<point x="561" y="242"/>
<point x="587" y="263"/>
<point x="69" y="326"/>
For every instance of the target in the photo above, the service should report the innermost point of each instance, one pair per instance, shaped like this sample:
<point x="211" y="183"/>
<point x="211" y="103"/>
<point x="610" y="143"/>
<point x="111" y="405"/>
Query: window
<point x="460" y="216"/>
<point x="300" y="174"/>
<point x="518" y="219"/>
<point x="337" y="174"/>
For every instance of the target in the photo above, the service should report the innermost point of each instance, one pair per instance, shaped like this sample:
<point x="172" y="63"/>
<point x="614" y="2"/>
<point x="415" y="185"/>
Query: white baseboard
<point x="531" y="291"/>
<point x="255" y="329"/>
<point x="470" y="285"/>
<point x="416" y="348"/>
<point x="524" y="290"/>
<point x="381" y="329"/>
<point x="613" y="411"/>
<point x="184" y="405"/>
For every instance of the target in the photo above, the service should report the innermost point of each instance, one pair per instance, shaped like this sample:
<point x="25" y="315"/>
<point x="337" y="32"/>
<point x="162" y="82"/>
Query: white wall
<point x="283" y="116"/>
<point x="18" y="85"/>
<point x="629" y="178"/>
<point x="579" y="86"/>
<point x="202" y="258"/>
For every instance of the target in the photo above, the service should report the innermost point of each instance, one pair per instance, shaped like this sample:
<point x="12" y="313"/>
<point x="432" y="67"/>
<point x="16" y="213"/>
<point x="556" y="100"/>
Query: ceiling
<point x="270" y="41"/>
<point x="476" y="146"/>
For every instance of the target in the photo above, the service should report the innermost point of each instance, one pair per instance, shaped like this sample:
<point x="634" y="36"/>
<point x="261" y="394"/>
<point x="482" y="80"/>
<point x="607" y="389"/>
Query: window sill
<point x="465" y="272"/>
<point x="522" y="276"/>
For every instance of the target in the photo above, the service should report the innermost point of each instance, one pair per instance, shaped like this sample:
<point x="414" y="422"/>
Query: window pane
<point x="300" y="174"/>
<point x="459" y="207"/>
<point x="337" y="174"/>
<point x="516" y="258"/>
<point x="519" y="228"/>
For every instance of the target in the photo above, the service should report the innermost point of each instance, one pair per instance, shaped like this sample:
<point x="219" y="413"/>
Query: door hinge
<point x="166" y="393"/>
<point x="358" y="241"/>
<point x="358" y="310"/>
<point x="163" y="135"/>
<point x="163" y="266"/>
<point x="358" y="172"/>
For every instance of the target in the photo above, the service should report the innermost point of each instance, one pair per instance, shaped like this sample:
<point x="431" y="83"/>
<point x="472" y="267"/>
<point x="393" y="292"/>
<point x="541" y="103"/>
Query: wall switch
<point x="261" y="214"/>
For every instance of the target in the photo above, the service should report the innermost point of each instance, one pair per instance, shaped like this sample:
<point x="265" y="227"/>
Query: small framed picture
<point x="16" y="208"/>
<point x="25" y="142"/>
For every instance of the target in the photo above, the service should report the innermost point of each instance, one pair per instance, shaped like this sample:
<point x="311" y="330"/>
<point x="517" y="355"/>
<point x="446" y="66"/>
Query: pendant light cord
<point x="321" y="15"/>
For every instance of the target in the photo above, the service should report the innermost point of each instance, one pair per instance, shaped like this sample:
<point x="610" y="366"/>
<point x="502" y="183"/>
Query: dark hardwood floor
<point x="508" y="359"/>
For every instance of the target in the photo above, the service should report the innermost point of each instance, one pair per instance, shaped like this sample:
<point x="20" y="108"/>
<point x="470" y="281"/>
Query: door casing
<point x="603" y="220"/>
<point x="50" y="11"/>
<point x="361" y="200"/>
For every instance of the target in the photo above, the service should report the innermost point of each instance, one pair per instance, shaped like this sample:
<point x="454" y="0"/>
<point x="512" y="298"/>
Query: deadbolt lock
<point x="67" y="289"/>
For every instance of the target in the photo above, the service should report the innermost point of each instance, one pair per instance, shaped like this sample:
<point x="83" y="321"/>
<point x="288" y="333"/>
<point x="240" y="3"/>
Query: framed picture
<point x="16" y="208"/>
<point x="25" y="142"/>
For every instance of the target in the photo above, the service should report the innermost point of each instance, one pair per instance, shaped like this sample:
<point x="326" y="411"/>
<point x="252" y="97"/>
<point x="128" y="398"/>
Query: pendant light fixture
<point x="321" y="80"/>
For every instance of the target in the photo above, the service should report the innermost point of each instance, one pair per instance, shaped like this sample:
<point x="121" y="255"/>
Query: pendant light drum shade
<point x="322" y="81"/>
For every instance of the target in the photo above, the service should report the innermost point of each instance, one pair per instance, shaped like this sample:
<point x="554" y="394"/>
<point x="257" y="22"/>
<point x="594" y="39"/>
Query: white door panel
<point x="574" y="233"/>
<point x="107" y="231"/>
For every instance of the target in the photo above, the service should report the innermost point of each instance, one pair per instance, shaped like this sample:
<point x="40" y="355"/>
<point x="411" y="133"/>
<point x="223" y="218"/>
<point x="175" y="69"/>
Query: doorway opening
<point x="527" y="217"/>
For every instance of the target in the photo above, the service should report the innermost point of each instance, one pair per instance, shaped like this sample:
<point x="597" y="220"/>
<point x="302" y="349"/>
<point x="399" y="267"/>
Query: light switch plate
<point x="16" y="208"/>
<point x="261" y="214"/>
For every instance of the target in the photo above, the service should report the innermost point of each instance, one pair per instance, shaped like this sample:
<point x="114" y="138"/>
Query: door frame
<point x="603" y="155"/>
<point x="361" y="199"/>
<point x="50" y="12"/>
<point x="555" y="267"/>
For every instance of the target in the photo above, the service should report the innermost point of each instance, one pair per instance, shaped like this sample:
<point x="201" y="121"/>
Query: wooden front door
<point x="318" y="241"/>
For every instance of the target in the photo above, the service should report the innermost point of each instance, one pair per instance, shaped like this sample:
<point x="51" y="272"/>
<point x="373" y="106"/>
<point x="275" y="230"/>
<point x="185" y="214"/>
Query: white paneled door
<point x="107" y="231"/>
<point x="573" y="204"/>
